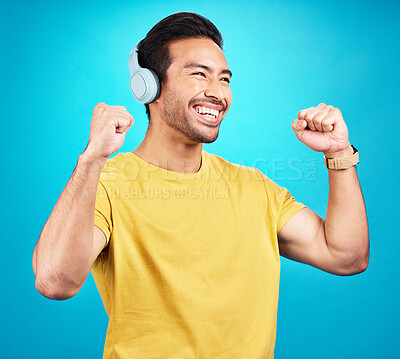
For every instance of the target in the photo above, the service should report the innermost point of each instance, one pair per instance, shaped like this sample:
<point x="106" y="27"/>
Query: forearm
<point x="63" y="255"/>
<point x="346" y="226"/>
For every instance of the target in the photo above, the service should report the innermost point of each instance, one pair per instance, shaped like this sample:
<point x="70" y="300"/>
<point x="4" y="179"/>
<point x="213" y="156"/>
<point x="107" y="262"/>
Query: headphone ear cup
<point x="153" y="87"/>
<point x="145" y="86"/>
<point x="144" y="83"/>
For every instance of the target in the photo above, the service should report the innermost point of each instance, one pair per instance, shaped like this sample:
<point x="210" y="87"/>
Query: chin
<point x="211" y="139"/>
<point x="200" y="138"/>
<point x="208" y="136"/>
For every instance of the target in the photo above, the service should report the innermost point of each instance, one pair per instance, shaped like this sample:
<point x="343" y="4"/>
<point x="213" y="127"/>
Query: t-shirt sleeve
<point x="102" y="212"/>
<point x="281" y="203"/>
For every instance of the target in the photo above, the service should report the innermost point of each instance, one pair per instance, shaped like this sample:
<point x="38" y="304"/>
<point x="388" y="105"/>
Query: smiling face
<point x="196" y="95"/>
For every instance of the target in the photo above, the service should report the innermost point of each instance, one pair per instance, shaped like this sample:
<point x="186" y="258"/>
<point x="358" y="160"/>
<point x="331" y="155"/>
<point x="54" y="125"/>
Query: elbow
<point x="356" y="270"/>
<point x="54" y="284"/>
<point x="362" y="261"/>
<point x="362" y="267"/>
<point x="55" y="291"/>
<point x="34" y="262"/>
<point x="355" y="261"/>
<point x="356" y="266"/>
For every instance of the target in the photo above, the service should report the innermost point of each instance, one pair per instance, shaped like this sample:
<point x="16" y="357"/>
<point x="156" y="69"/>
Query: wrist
<point x="92" y="160"/>
<point x="342" y="160"/>
<point x="346" y="152"/>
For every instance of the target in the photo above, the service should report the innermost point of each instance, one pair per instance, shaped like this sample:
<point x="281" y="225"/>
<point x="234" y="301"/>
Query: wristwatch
<point x="342" y="163"/>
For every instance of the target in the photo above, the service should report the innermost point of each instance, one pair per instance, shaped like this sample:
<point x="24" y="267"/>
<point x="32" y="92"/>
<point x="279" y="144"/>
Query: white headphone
<point x="145" y="85"/>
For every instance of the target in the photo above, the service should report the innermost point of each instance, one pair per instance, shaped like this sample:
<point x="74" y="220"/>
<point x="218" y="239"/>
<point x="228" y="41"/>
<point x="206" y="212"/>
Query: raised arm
<point x="69" y="242"/>
<point x="340" y="243"/>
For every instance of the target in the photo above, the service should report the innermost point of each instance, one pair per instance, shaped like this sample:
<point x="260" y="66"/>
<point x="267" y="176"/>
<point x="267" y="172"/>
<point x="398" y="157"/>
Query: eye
<point x="226" y="79"/>
<point x="199" y="73"/>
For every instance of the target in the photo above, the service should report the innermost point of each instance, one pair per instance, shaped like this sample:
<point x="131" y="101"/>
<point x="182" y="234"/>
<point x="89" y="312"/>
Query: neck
<point x="164" y="147"/>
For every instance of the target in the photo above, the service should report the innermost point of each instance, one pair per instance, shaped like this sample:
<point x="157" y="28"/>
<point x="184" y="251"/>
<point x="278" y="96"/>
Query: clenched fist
<point x="323" y="129"/>
<point x="108" y="129"/>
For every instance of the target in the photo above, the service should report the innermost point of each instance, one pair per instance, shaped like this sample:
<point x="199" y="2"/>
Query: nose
<point x="216" y="89"/>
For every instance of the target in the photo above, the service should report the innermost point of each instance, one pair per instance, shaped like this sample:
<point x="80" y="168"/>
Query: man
<point x="183" y="245"/>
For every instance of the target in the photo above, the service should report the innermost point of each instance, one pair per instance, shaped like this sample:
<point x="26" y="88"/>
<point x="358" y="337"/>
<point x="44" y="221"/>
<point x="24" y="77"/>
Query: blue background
<point x="59" y="59"/>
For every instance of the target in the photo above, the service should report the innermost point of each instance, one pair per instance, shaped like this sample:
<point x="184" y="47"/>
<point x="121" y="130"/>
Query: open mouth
<point x="207" y="115"/>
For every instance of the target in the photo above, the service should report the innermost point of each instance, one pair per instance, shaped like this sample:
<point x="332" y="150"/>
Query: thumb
<point x="299" y="125"/>
<point x="122" y="125"/>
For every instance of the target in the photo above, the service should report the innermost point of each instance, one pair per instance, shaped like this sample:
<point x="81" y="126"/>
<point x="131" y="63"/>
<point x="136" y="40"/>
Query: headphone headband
<point x="133" y="58"/>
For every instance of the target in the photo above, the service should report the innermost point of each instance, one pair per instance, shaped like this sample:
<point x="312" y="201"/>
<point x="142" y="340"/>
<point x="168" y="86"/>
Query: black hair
<point x="153" y="50"/>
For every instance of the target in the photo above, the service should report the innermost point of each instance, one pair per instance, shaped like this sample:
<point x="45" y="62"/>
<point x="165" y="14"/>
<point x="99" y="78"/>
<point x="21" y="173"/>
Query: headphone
<point x="145" y="85"/>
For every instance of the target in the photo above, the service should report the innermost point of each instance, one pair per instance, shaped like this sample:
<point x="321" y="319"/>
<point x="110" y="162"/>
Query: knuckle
<point x="308" y="117"/>
<point x="318" y="117"/>
<point x="336" y="112"/>
<point x="100" y="105"/>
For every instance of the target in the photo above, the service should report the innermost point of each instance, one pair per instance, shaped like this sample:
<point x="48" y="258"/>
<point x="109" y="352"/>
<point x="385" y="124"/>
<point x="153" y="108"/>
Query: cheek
<point x="228" y="97"/>
<point x="173" y="97"/>
<point x="185" y="92"/>
<point x="193" y="88"/>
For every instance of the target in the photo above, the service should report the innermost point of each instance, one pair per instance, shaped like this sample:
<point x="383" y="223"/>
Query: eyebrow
<point x="205" y="67"/>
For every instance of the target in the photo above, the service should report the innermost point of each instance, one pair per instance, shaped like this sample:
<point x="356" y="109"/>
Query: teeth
<point x="209" y="112"/>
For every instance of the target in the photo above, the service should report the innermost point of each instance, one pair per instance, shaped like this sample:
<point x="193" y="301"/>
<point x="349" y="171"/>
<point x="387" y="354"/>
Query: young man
<point x="183" y="245"/>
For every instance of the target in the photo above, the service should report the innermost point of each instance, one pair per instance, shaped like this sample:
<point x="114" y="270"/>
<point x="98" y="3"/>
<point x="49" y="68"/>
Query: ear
<point x="160" y="95"/>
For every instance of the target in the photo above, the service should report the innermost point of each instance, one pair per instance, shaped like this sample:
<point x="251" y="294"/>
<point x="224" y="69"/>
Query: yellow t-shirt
<point x="191" y="267"/>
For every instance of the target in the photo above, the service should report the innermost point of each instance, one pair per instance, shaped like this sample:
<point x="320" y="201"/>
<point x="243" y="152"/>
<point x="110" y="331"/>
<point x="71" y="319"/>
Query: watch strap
<point x="342" y="163"/>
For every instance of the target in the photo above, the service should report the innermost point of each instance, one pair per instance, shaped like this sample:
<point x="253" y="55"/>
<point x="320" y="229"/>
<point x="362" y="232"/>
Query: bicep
<point x="302" y="239"/>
